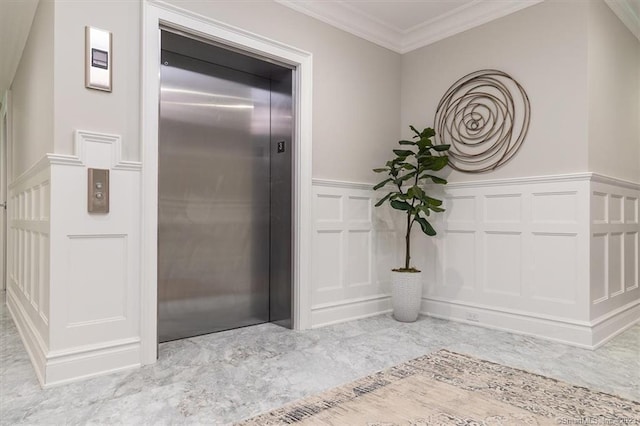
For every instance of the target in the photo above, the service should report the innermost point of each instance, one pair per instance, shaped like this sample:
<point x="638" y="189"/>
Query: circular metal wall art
<point x="484" y="116"/>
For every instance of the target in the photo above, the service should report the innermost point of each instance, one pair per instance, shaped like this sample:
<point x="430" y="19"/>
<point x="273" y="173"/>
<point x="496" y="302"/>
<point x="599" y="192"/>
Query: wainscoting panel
<point x="516" y="245"/>
<point x="552" y="256"/>
<point x="99" y="293"/>
<point x="27" y="260"/>
<point x="95" y="275"/>
<point x="353" y="252"/>
<point x="615" y="249"/>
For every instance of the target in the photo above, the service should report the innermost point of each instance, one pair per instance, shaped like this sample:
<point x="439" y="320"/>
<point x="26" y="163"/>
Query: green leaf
<point x="437" y="209"/>
<point x="438" y="163"/>
<point x="380" y="170"/>
<point x="401" y="205"/>
<point x="428" y="133"/>
<point x="383" y="199"/>
<point x="415" y="131"/>
<point x="441" y="148"/>
<point x="434" y="201"/>
<point x="435" y="179"/>
<point x="381" y="184"/>
<point x="416" y="192"/>
<point x="425" y="209"/>
<point x="426" y="226"/>
<point x="405" y="142"/>
<point x="403" y="152"/>
<point x="424" y="143"/>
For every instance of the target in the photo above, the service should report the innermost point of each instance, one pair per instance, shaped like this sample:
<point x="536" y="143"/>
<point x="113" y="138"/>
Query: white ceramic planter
<point x="406" y="295"/>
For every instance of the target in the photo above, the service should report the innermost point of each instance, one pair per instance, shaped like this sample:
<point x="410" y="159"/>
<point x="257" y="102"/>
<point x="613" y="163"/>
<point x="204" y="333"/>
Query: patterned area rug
<point x="447" y="388"/>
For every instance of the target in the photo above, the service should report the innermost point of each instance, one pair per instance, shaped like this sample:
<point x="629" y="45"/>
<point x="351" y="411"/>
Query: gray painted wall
<point x="32" y="94"/>
<point x="544" y="47"/>
<point x="614" y="95"/>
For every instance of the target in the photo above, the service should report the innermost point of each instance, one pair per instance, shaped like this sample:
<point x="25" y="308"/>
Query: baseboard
<point x="36" y="349"/>
<point x="572" y="333"/>
<point x="608" y="326"/>
<point x="348" y="310"/>
<point x="82" y="363"/>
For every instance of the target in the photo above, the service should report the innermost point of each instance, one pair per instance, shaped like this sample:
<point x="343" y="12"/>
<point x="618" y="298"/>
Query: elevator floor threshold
<point x="206" y="315"/>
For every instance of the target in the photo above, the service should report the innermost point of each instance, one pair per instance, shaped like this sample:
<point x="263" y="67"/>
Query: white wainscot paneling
<point x="615" y="295"/>
<point x="514" y="255"/>
<point x="461" y="210"/>
<point x="615" y="264"/>
<point x="631" y="210"/>
<point x="458" y="263"/>
<point x="599" y="259"/>
<point x="328" y="208"/>
<point x="555" y="263"/>
<point x="503" y="263"/>
<point x="599" y="207"/>
<point x="359" y="255"/>
<point x="503" y="208"/>
<point x="353" y="252"/>
<point x="98" y="285"/>
<point x="27" y="260"/>
<point x="95" y="269"/>
<point x="555" y="207"/>
<point x="328" y="264"/>
<point x="359" y="209"/>
<point x="631" y="255"/>
<point x="616" y="208"/>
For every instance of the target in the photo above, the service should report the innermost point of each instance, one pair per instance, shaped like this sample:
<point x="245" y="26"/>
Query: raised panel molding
<point x="27" y="260"/>
<point x="86" y="292"/>
<point x="352" y="252"/>
<point x="614" y="246"/>
<point x="97" y="285"/>
<point x="503" y="208"/>
<point x="631" y="255"/>
<point x="555" y="207"/>
<point x="631" y="210"/>
<point x="95" y="270"/>
<point x="503" y="263"/>
<point x="529" y="255"/>
<point x="555" y="268"/>
<point x="599" y="208"/>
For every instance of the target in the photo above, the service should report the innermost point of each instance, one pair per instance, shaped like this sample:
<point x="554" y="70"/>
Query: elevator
<point x="224" y="189"/>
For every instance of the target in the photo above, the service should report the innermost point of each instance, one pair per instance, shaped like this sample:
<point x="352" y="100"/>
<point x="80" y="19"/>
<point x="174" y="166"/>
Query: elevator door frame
<point x="158" y="16"/>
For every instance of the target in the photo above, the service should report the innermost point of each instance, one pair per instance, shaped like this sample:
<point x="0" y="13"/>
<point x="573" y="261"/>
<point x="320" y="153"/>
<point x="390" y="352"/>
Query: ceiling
<point x="399" y="25"/>
<point x="405" y="25"/>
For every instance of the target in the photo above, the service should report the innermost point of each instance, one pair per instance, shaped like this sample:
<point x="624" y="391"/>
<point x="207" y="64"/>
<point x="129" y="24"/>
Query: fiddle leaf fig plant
<point x="407" y="172"/>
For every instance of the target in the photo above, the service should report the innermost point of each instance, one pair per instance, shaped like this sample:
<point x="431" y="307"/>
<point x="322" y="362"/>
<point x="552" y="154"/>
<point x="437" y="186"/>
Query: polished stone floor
<point x="229" y="376"/>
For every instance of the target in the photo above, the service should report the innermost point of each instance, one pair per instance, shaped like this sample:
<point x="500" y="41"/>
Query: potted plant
<point x="407" y="172"/>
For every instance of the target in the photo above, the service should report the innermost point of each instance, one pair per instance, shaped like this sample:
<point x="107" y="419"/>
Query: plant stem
<point x="407" y="257"/>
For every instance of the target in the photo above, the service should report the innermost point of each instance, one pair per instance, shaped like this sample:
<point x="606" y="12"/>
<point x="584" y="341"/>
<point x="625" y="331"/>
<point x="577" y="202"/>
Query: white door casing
<point x="157" y="14"/>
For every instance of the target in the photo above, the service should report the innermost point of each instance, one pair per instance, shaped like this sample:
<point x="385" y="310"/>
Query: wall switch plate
<point x="98" y="191"/>
<point x="97" y="73"/>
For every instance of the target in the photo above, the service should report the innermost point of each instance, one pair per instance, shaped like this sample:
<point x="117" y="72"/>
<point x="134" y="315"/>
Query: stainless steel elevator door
<point x="213" y="198"/>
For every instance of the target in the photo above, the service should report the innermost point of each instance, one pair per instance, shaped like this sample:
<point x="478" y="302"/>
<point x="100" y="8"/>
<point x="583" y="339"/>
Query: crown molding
<point x="347" y="18"/>
<point x="626" y="13"/>
<point x="461" y="19"/>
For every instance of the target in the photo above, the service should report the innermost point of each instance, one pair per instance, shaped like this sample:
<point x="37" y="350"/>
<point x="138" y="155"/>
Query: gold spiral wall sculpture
<point x="484" y="116"/>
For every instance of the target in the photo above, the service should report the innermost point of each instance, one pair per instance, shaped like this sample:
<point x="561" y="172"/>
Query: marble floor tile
<point x="226" y="377"/>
